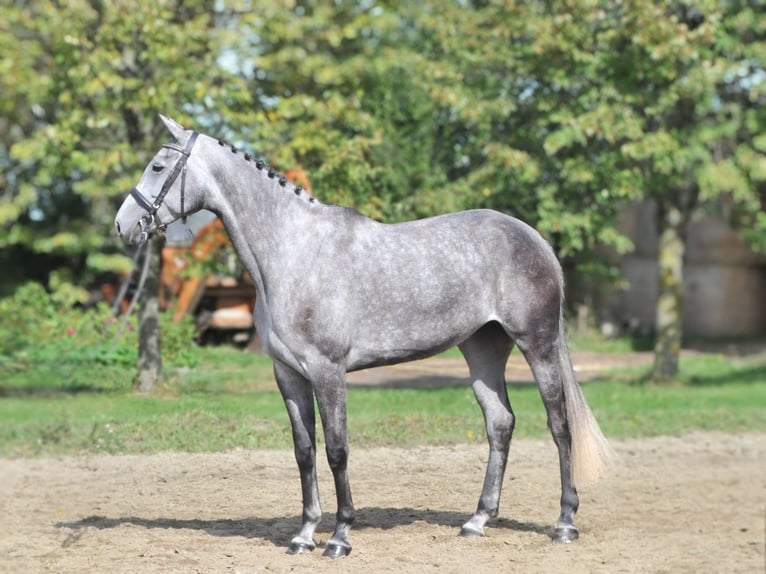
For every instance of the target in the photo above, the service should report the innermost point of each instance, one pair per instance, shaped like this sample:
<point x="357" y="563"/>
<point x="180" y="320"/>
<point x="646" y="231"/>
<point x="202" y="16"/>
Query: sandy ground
<point x="690" y="504"/>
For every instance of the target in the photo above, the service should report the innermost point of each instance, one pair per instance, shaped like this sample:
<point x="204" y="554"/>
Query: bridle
<point x="151" y="207"/>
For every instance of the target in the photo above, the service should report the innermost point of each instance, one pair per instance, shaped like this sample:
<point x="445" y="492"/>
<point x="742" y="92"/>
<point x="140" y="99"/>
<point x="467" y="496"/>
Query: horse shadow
<point x="427" y="382"/>
<point x="279" y="531"/>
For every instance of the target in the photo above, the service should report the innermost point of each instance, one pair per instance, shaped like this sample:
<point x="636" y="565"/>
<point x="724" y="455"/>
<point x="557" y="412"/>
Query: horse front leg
<point x="330" y="392"/>
<point x="299" y="400"/>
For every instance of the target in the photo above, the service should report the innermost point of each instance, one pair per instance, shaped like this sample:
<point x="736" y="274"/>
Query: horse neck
<point x="260" y="215"/>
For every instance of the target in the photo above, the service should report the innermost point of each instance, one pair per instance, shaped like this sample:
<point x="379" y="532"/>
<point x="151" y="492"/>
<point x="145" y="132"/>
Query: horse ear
<point x="175" y="129"/>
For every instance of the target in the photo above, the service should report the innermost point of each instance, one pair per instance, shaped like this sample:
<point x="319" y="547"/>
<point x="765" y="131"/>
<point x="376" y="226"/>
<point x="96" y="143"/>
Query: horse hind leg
<point x="486" y="353"/>
<point x="546" y="370"/>
<point x="583" y="450"/>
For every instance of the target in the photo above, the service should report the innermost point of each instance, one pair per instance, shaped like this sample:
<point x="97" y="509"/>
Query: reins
<point x="136" y="293"/>
<point x="125" y="282"/>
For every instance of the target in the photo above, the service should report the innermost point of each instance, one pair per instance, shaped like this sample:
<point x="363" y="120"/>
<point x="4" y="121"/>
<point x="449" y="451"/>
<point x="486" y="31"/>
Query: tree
<point x="411" y="109"/>
<point x="554" y="112"/>
<point x="539" y="136"/>
<point x="92" y="89"/>
<point x="614" y="102"/>
<point x="576" y="107"/>
<point x="333" y="93"/>
<point x="689" y="75"/>
<point x="79" y="108"/>
<point x="558" y="113"/>
<point x="149" y="335"/>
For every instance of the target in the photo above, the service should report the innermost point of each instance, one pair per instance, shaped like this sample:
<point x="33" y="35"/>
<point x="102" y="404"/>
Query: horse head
<point x="169" y="188"/>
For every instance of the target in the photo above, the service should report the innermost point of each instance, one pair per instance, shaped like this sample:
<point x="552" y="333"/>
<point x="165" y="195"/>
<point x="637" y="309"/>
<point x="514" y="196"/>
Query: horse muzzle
<point x="138" y="232"/>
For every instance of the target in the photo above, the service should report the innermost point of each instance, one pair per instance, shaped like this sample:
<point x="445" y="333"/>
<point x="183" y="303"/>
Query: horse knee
<point x="304" y="454"/>
<point x="500" y="430"/>
<point x="337" y="457"/>
<point x="507" y="425"/>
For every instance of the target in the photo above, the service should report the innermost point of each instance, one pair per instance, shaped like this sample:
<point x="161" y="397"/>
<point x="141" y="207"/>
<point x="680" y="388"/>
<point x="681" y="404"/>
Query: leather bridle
<point x="151" y="207"/>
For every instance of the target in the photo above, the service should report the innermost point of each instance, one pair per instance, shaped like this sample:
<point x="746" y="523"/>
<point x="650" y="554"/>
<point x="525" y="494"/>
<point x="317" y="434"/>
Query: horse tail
<point x="591" y="452"/>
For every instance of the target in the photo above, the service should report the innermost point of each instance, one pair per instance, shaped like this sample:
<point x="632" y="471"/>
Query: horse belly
<point x="408" y="324"/>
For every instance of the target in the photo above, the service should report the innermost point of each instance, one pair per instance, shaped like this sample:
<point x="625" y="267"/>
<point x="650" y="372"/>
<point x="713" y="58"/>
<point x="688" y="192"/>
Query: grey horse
<point x="338" y="292"/>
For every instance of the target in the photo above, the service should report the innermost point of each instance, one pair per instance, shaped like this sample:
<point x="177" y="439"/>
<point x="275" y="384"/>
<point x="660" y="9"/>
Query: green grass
<point x="230" y="400"/>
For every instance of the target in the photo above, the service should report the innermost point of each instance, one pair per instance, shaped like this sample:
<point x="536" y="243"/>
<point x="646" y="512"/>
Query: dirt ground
<point x="689" y="504"/>
<point x="670" y="505"/>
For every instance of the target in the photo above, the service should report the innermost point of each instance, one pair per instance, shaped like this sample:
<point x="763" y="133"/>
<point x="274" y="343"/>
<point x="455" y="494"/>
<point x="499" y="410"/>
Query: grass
<point x="230" y="400"/>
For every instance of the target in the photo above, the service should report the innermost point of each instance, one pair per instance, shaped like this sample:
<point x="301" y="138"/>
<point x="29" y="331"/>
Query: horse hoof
<point x="299" y="548"/>
<point x="335" y="551"/>
<point x="467" y="532"/>
<point x="565" y="535"/>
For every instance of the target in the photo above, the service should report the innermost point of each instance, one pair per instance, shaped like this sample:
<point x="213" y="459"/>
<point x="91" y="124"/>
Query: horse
<point x="337" y="292"/>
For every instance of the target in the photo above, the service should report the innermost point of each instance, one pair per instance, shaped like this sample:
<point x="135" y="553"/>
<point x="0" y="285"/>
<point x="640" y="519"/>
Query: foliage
<point x="556" y="112"/>
<point x="50" y="344"/>
<point x="335" y="94"/>
<point x="79" y="96"/>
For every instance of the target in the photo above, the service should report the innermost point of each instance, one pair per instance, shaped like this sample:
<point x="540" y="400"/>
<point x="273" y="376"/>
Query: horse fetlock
<point x="344" y="518"/>
<point x="570" y="503"/>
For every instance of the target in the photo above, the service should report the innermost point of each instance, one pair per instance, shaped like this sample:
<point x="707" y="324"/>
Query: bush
<point x="43" y="333"/>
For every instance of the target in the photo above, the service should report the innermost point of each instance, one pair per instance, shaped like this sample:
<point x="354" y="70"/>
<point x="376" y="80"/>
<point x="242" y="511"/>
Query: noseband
<point x="152" y="207"/>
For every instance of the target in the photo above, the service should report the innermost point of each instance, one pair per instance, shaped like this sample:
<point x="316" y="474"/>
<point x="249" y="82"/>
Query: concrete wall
<point x="724" y="281"/>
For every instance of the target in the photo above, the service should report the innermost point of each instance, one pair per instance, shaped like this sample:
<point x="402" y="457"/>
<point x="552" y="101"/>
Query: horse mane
<point x="271" y="173"/>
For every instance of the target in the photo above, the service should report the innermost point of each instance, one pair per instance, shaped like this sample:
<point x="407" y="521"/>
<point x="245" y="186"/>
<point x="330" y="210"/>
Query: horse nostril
<point x="117" y="226"/>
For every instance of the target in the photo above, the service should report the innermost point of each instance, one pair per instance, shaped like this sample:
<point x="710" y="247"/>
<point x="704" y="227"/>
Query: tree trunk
<point x="149" y="355"/>
<point x="667" y="348"/>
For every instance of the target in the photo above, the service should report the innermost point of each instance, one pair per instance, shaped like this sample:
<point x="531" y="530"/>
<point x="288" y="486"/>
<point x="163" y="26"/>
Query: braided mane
<point x="271" y="173"/>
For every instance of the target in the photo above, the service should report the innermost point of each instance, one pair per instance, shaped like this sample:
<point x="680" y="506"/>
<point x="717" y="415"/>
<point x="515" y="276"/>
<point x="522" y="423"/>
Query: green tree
<point x="92" y="77"/>
<point x="572" y="108"/>
<point x="411" y="109"/>
<point x="613" y="102"/>
<point x="81" y="84"/>
<point x="538" y="137"/>
<point x="692" y="77"/>
<point x="557" y="112"/>
<point x="333" y="93"/>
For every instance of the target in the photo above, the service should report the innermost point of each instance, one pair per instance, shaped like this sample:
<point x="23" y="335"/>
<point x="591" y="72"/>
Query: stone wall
<point x="724" y="281"/>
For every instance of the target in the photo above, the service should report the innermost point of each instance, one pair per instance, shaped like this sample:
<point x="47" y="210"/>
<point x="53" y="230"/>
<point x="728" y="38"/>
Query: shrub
<point x="40" y="329"/>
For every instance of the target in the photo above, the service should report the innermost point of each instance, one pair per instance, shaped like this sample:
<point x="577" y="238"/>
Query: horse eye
<point x="157" y="167"/>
